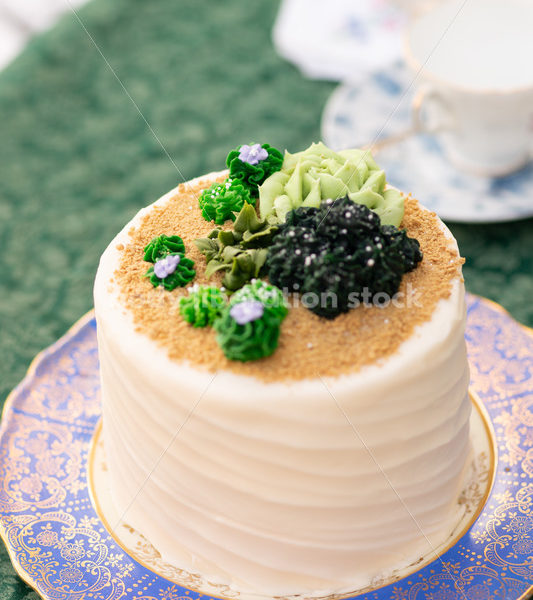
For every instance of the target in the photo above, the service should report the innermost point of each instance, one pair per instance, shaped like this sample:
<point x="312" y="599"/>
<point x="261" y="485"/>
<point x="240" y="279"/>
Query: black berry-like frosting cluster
<point x="338" y="254"/>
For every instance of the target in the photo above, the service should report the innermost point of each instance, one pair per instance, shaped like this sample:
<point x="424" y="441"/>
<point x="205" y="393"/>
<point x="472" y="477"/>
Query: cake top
<point x="313" y="235"/>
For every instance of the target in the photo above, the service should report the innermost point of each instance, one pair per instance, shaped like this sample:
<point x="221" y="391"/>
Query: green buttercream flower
<point x="316" y="174"/>
<point x="250" y="325"/>
<point x="223" y="200"/>
<point x="241" y="253"/>
<point x="177" y="274"/>
<point x="162" y="245"/>
<point x="251" y="173"/>
<point x="270" y="296"/>
<point x="202" y="306"/>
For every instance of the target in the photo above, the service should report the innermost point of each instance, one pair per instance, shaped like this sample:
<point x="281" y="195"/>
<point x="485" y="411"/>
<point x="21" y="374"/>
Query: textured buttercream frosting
<point x="306" y="486"/>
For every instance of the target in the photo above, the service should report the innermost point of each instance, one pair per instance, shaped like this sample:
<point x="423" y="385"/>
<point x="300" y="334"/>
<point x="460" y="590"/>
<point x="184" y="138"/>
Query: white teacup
<point x="473" y="63"/>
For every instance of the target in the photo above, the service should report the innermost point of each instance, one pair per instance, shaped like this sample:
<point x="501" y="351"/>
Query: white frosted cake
<point x="321" y="467"/>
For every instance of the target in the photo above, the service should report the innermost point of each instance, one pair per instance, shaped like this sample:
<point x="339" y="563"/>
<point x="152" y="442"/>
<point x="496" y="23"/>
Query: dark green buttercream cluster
<point x="222" y="201"/>
<point x="259" y="337"/>
<point x="252" y="176"/>
<point x="161" y="247"/>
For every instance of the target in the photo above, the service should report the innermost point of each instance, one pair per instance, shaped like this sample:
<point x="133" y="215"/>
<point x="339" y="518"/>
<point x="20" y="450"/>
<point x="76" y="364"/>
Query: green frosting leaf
<point x="222" y="201"/>
<point x="241" y="253"/>
<point x="181" y="276"/>
<point x="307" y="178"/>
<point x="202" y="306"/>
<point x="253" y="175"/>
<point x="162" y="246"/>
<point x="257" y="338"/>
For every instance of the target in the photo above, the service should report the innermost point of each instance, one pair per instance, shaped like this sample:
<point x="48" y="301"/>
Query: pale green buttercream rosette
<point x="307" y="178"/>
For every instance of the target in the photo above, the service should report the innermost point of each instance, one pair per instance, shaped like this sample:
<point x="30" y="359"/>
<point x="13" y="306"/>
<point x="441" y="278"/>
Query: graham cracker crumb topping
<point x="309" y="345"/>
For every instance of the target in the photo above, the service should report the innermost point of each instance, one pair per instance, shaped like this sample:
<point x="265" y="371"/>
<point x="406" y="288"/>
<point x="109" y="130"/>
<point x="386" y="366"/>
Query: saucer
<point x="379" y="107"/>
<point x="476" y="485"/>
<point x="326" y="39"/>
<point x="51" y="519"/>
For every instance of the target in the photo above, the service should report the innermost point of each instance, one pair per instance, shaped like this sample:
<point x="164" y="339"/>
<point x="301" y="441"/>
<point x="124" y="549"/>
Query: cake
<point x="330" y="450"/>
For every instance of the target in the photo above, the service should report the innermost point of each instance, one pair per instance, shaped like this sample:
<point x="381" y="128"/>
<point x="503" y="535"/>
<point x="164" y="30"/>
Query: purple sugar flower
<point x="252" y="154"/>
<point x="166" y="266"/>
<point x="247" y="311"/>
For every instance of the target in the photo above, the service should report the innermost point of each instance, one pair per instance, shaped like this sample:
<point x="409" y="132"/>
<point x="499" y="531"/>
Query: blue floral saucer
<point x="379" y="107"/>
<point x="59" y="543"/>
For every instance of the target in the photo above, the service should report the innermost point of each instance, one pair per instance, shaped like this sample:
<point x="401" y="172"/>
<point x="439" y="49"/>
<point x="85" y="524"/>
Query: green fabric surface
<point x="77" y="160"/>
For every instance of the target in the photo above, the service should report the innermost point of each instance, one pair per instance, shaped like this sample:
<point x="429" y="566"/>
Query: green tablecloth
<point x="77" y="160"/>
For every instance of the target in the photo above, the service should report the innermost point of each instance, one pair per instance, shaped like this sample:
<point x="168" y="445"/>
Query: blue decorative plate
<point x="379" y="107"/>
<point x="51" y="517"/>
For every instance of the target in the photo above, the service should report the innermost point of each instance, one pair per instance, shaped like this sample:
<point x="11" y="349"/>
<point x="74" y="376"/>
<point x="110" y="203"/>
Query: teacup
<point x="473" y="66"/>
